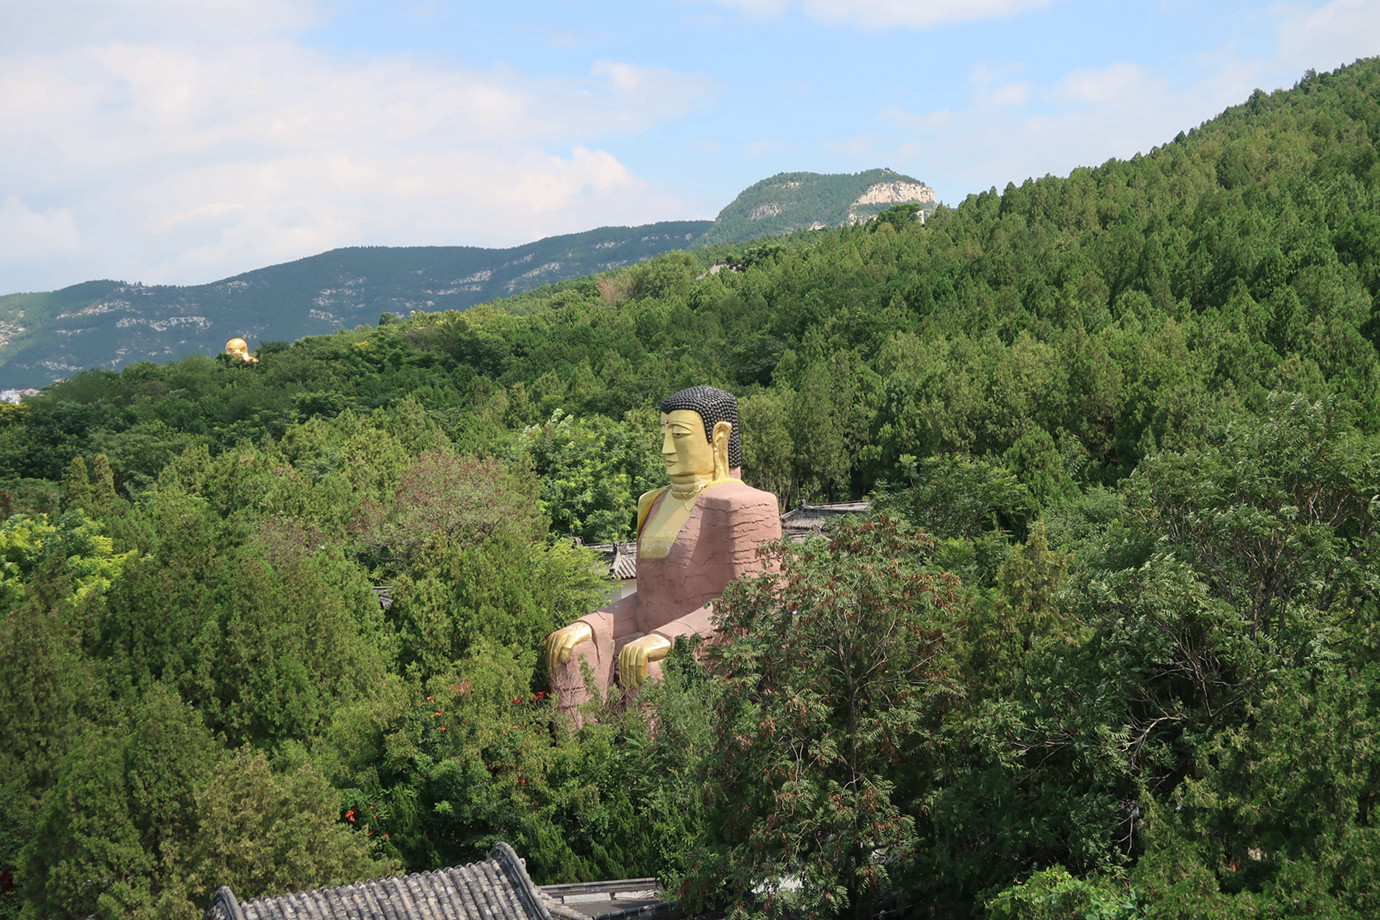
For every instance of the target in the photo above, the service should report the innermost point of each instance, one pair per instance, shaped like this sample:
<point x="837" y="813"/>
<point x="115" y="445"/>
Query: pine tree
<point x="76" y="488"/>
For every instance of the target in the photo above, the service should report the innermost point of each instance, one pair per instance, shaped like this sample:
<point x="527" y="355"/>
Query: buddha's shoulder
<point x="645" y="503"/>
<point x="735" y="495"/>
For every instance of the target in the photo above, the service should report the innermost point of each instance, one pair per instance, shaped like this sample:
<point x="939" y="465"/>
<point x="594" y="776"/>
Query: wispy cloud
<point x="61" y="24"/>
<point x="1120" y="82"/>
<point x="164" y="159"/>
<point x="184" y="140"/>
<point x="1012" y="131"/>
<point x="767" y="146"/>
<point x="1084" y="116"/>
<point x="760" y="9"/>
<point x="1324" y="38"/>
<point x="890" y="14"/>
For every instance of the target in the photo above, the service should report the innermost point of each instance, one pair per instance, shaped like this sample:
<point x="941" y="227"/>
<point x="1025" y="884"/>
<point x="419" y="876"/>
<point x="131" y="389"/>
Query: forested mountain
<point x="1107" y="648"/>
<point x="109" y="324"/>
<point x="805" y="201"/>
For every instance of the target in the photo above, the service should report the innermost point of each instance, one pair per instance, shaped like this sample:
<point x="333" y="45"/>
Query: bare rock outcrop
<point x="889" y="193"/>
<point x="896" y="193"/>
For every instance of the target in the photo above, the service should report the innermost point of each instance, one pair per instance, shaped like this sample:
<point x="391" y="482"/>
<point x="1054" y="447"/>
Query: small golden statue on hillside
<point x="693" y="538"/>
<point x="239" y="348"/>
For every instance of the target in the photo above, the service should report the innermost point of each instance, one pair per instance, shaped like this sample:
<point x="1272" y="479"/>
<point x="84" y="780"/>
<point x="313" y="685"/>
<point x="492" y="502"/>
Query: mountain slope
<point x="109" y="324"/>
<point x="804" y="201"/>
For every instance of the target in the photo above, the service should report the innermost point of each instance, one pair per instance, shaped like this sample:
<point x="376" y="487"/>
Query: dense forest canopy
<point x="1121" y="433"/>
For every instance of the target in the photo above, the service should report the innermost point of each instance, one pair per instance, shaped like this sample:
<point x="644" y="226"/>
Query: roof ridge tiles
<point x="461" y="897"/>
<point x="497" y="888"/>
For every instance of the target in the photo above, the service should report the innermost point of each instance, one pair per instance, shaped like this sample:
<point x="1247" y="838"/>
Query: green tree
<point x="443" y="498"/>
<point x="831" y="690"/>
<point x="1053" y="894"/>
<point x="768" y="452"/>
<point x="1279" y="514"/>
<point x="76" y="488"/>
<point x="264" y="832"/>
<point x="76" y="545"/>
<point x="592" y="471"/>
<point x="111" y="831"/>
<point x="103" y="498"/>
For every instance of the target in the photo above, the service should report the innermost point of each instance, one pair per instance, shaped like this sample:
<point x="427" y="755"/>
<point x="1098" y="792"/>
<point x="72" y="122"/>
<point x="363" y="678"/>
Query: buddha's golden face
<point x="687" y="452"/>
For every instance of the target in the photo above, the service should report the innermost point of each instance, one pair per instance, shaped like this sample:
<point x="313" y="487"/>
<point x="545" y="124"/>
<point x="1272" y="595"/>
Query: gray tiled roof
<point x="496" y="889"/>
<point x="618" y="559"/>
<point x="624" y="561"/>
<point x="806" y="519"/>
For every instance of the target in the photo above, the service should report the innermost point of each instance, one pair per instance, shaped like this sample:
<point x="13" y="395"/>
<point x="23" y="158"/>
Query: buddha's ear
<point x="722" y="431"/>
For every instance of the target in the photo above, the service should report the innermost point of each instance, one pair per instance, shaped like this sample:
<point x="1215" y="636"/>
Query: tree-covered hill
<point x="803" y="201"/>
<point x="1126" y="669"/>
<point x="108" y="324"/>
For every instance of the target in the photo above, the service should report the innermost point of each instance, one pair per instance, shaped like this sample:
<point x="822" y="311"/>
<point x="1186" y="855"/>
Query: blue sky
<point x="183" y="141"/>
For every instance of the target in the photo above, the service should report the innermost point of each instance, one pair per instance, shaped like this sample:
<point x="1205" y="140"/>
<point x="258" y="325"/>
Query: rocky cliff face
<point x="889" y="193"/>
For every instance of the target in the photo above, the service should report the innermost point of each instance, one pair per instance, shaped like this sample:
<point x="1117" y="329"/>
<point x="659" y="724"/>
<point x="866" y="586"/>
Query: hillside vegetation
<point x="47" y="336"/>
<point x="1107" y="648"/>
<point x="803" y="201"/>
<point x="110" y="324"/>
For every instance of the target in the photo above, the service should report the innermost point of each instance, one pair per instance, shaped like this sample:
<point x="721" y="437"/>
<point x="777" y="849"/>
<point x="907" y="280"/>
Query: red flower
<point x="350" y="816"/>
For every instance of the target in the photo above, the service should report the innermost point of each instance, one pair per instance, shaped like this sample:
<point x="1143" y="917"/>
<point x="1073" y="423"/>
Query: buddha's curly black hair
<point x="713" y="405"/>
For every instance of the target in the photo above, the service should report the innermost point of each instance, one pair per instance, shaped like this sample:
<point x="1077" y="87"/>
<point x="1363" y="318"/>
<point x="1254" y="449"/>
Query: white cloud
<point x="1013" y="130"/>
<point x="766" y="146"/>
<point x="1012" y="93"/>
<point x="758" y="9"/>
<point x="890" y="14"/>
<point x="858" y="147"/>
<point x="29" y="234"/>
<point x="897" y="117"/>
<point x="1118" y="82"/>
<point x="990" y="84"/>
<point x="56" y="24"/>
<point x="887" y="14"/>
<point x="181" y="163"/>
<point x="1325" y="38"/>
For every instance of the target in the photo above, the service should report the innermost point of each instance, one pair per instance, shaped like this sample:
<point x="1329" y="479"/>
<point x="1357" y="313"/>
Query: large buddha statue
<point x="693" y="537"/>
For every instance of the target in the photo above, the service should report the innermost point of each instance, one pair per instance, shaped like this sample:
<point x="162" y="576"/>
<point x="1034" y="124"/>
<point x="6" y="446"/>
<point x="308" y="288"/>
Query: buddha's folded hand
<point x="634" y="657"/>
<point x="561" y="643"/>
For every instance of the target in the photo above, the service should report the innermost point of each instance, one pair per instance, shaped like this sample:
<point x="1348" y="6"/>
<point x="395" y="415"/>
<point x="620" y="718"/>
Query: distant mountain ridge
<point x="109" y="324"/>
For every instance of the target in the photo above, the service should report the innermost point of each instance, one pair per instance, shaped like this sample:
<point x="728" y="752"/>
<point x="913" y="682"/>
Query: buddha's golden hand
<point x="560" y="645"/>
<point x="634" y="657"/>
